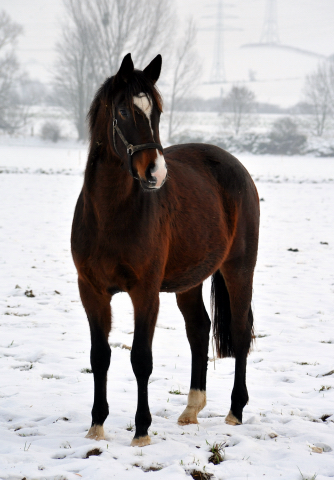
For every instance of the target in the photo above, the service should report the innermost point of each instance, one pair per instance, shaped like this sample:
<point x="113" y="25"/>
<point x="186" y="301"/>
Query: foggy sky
<point x="306" y="24"/>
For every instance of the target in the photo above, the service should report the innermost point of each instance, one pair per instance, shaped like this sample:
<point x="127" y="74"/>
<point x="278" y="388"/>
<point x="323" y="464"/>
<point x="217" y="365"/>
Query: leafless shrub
<point x="50" y="131"/>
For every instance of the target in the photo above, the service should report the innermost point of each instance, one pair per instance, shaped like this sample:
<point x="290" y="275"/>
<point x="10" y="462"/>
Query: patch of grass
<point x="24" y="368"/>
<point x="198" y="475"/>
<point x="152" y="468"/>
<point x="175" y="392"/>
<point x="15" y="314"/>
<point x="86" y="370"/>
<point x="329" y="373"/>
<point x="307" y="363"/>
<point x="94" y="452"/>
<point x="218" y="453"/>
<point x="65" y="419"/>
<point x="324" y="388"/>
<point x="129" y="427"/>
<point x="307" y="478"/>
<point x="66" y="445"/>
<point x="325" y="417"/>
<point x="29" y="293"/>
<point x="50" y="376"/>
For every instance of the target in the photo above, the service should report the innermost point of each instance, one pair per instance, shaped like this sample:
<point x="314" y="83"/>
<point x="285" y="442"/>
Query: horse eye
<point x="123" y="112"/>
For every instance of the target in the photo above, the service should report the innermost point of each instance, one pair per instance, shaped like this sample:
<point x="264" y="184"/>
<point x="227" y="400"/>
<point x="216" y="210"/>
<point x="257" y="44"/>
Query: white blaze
<point x="160" y="170"/>
<point x="145" y="104"/>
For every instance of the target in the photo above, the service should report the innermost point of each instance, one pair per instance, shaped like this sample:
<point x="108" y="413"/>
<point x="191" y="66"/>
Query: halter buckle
<point x="129" y="149"/>
<point x="114" y="122"/>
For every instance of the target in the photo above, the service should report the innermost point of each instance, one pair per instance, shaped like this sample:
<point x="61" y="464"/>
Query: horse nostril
<point x="152" y="181"/>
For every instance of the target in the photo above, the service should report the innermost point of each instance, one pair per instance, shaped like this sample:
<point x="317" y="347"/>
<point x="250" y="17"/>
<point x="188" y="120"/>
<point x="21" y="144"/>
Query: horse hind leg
<point x="98" y="311"/>
<point x="198" y="325"/>
<point x="233" y="324"/>
<point x="239" y="397"/>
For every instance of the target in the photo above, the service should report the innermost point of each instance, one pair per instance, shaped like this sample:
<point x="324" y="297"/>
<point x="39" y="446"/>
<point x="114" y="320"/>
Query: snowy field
<point x="46" y="390"/>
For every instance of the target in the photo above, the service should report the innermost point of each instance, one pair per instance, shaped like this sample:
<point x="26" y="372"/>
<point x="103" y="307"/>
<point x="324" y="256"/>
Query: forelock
<point x="138" y="83"/>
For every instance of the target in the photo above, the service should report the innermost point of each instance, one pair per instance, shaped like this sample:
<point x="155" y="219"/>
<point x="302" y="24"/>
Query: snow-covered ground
<point x="46" y="393"/>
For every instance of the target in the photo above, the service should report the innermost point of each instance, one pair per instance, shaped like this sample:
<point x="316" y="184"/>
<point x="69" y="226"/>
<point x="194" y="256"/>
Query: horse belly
<point x="190" y="266"/>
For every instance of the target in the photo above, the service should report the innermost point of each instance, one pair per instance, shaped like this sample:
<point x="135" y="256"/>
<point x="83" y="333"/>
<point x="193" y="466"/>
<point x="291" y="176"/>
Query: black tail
<point x="221" y="316"/>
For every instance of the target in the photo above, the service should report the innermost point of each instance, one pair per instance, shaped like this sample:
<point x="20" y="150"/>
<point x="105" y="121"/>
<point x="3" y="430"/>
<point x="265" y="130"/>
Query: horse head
<point x="134" y="131"/>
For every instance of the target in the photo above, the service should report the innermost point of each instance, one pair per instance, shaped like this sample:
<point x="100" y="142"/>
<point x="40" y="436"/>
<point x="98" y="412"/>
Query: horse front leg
<point x="98" y="311"/>
<point x="146" y="309"/>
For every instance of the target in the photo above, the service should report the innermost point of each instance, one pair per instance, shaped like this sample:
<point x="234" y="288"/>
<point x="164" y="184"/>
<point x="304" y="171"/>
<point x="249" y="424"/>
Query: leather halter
<point x="130" y="149"/>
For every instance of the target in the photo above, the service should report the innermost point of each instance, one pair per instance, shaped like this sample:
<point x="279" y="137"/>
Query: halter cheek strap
<point x="130" y="149"/>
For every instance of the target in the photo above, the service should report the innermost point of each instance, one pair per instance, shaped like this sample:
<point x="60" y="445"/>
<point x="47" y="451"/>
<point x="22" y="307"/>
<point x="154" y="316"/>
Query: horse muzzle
<point x="155" y="174"/>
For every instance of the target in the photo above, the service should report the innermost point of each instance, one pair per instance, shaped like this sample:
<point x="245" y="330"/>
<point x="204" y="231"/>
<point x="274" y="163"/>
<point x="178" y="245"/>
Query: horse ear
<point x="126" y="69"/>
<point x="152" y="71"/>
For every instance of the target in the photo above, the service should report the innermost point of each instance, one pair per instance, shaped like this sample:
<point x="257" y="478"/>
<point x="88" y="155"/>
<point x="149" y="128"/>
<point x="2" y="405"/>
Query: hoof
<point x="96" y="432"/>
<point x="231" y="419"/>
<point x="196" y="402"/>
<point x="188" y="417"/>
<point x="141" y="441"/>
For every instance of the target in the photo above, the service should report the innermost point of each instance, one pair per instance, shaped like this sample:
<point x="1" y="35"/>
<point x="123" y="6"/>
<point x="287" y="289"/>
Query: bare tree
<point x="99" y="34"/>
<point x="10" y="117"/>
<point x="186" y="73"/>
<point x="319" y="93"/>
<point x="74" y="82"/>
<point x="240" y="101"/>
<point x="331" y="81"/>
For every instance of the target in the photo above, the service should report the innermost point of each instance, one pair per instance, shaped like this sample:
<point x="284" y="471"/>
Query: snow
<point x="46" y="393"/>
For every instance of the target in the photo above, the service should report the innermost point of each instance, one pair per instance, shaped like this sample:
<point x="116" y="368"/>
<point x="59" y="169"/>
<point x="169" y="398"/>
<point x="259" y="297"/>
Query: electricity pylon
<point x="269" y="36"/>
<point x="218" y="67"/>
<point x="269" y="33"/>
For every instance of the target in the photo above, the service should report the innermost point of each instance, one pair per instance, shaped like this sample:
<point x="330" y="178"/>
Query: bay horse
<point x="152" y="220"/>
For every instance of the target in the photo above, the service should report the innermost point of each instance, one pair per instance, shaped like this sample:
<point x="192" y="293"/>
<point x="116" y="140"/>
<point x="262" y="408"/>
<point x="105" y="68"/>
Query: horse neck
<point x="107" y="183"/>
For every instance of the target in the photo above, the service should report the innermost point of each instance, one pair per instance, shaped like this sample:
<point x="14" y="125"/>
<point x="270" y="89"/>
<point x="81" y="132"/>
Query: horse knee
<point x="100" y="357"/>
<point x="141" y="361"/>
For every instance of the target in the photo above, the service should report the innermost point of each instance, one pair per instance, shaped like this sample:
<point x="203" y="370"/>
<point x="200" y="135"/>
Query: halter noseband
<point x="130" y="149"/>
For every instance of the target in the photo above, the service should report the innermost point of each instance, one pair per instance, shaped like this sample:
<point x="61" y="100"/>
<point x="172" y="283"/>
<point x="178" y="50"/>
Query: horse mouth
<point x="150" y="184"/>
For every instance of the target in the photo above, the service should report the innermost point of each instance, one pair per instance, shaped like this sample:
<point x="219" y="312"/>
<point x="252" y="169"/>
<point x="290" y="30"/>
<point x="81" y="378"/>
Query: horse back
<point x="212" y="161"/>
